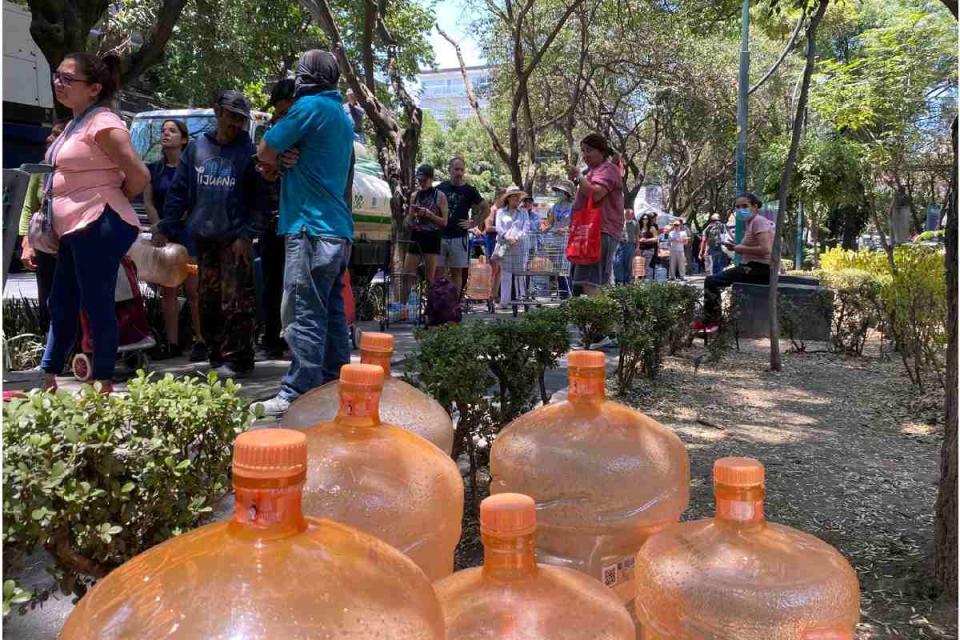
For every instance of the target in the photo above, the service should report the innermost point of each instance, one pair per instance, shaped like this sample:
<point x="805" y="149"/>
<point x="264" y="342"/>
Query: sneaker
<point x="199" y="352"/>
<point x="712" y="327"/>
<point x="166" y="351"/>
<point x="606" y="343"/>
<point x="227" y="371"/>
<point x="275" y="406"/>
<point x="697" y="326"/>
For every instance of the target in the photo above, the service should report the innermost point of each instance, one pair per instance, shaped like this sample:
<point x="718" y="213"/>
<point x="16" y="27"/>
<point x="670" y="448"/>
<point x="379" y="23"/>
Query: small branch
<point x="783" y="56"/>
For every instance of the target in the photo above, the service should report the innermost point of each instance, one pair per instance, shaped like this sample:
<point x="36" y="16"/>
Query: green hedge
<point x="95" y="479"/>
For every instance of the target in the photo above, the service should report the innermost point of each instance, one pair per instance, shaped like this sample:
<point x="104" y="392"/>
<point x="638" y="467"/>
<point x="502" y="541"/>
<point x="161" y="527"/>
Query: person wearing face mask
<point x="755" y="251"/>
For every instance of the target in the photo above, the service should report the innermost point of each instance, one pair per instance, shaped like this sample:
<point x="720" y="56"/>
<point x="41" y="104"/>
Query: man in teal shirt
<point x="316" y="219"/>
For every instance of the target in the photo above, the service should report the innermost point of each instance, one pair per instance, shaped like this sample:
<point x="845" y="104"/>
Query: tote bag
<point x="583" y="245"/>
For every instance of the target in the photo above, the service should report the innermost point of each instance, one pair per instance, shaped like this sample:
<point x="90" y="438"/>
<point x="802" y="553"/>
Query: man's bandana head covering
<point x="317" y="71"/>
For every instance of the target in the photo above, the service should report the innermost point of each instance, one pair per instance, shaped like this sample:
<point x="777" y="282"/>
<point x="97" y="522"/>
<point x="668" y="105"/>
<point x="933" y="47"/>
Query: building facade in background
<point x="442" y="93"/>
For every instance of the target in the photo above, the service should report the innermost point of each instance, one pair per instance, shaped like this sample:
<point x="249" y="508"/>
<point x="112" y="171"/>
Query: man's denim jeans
<point x="313" y="312"/>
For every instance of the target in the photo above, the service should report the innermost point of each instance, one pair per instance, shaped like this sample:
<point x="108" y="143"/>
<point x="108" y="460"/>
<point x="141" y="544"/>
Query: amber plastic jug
<point x="167" y="266"/>
<point x="513" y="598"/>
<point x="738" y="577"/>
<point x="383" y="479"/>
<point x="604" y="476"/>
<point x="269" y="572"/>
<point x="639" y="266"/>
<point x="479" y="280"/>
<point x="401" y="404"/>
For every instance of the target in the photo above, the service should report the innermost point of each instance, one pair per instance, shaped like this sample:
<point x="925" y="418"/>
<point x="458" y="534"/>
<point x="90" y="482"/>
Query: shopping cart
<point x="541" y="271"/>
<point x="403" y="292"/>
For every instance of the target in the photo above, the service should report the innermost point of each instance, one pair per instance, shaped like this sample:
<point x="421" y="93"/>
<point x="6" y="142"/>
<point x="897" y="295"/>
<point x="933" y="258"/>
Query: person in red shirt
<point x="755" y="249"/>
<point x="604" y="182"/>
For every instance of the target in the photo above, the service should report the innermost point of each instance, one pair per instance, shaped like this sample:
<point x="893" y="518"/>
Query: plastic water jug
<point x="513" y="598"/>
<point x="479" y="280"/>
<point x="383" y="479"/>
<point x="269" y="572"/>
<point x="167" y="266"/>
<point x="738" y="577"/>
<point x="401" y="404"/>
<point x="604" y="476"/>
<point x="639" y="267"/>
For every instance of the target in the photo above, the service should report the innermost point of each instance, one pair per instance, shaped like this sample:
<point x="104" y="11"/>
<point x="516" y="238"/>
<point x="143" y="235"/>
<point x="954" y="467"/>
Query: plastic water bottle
<point x="167" y="266"/>
<point x="268" y="572"/>
<point x="401" y="404"/>
<point x="604" y="476"/>
<point x="383" y="479"/>
<point x="511" y="597"/>
<point x="738" y="576"/>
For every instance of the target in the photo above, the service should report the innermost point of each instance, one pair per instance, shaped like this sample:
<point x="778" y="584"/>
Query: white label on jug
<point x="618" y="572"/>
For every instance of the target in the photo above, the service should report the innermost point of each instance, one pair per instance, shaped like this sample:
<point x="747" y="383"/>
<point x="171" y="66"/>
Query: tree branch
<point x="783" y="56"/>
<point x="154" y="42"/>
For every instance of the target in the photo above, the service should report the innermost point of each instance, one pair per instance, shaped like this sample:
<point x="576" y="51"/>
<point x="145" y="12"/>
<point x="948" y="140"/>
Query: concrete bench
<point x="811" y="307"/>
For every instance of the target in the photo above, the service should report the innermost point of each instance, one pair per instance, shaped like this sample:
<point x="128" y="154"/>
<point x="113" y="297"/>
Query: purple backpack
<point x="443" y="303"/>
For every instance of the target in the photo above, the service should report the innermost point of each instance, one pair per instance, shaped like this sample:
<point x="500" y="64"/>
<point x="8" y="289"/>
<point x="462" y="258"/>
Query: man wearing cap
<point x="711" y="249"/>
<point x="678" y="241"/>
<point x="466" y="208"/>
<point x="316" y="220"/>
<point x="221" y="201"/>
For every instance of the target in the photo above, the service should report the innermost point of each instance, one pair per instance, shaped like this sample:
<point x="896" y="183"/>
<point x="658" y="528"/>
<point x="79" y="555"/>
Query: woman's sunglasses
<point x="66" y="80"/>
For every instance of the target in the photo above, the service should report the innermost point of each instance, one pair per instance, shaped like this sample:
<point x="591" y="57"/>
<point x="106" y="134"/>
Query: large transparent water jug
<point x="479" y="280"/>
<point x="738" y="577"/>
<point x="604" y="476"/>
<point x="383" y="479"/>
<point x="167" y="266"/>
<point x="269" y="572"/>
<point x="511" y="597"/>
<point x="401" y="404"/>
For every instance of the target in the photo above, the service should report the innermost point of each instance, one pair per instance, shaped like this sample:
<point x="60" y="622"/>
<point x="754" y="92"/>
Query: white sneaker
<point x="275" y="406"/>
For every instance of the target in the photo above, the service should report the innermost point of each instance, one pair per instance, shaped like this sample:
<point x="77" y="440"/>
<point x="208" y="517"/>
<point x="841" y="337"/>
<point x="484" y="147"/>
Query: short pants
<point x="455" y="252"/>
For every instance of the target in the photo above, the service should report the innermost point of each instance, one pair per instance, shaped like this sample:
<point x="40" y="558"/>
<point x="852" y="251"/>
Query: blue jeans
<point x="86" y="277"/>
<point x="313" y="312"/>
<point x="720" y="261"/>
<point x="623" y="267"/>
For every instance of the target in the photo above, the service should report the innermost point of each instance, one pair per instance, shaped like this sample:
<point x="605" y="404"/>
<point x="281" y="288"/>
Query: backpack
<point x="443" y="303"/>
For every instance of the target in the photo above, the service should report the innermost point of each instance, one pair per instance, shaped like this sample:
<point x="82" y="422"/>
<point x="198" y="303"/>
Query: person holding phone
<point x="427" y="216"/>
<point x="755" y="249"/>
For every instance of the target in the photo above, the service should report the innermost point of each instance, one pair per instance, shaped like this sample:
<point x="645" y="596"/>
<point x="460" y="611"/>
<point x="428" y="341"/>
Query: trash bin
<point x="14" y="191"/>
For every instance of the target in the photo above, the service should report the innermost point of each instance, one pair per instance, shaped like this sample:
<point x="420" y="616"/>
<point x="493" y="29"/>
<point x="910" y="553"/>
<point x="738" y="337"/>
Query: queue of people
<point x="218" y="192"/>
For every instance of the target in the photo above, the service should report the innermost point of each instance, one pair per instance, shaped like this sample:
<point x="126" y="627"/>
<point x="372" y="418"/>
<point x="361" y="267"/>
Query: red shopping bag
<point x="583" y="245"/>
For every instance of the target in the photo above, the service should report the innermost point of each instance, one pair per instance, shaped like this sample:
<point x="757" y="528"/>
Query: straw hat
<point x="512" y="190"/>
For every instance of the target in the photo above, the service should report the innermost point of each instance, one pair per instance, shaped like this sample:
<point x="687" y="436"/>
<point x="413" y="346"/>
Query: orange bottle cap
<point x="508" y="515"/>
<point x="374" y="341"/>
<point x="738" y="472"/>
<point x="362" y="374"/>
<point x="587" y="359"/>
<point x="270" y="454"/>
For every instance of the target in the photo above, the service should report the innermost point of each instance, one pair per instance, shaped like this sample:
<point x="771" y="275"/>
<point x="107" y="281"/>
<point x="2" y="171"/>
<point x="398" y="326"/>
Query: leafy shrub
<point x="23" y="338"/>
<point x="651" y="319"/>
<point x="548" y="334"/>
<point x="857" y="308"/>
<point x="839" y="259"/>
<point x="593" y="317"/>
<point x="792" y="316"/>
<point x="931" y="236"/>
<point x="96" y="479"/>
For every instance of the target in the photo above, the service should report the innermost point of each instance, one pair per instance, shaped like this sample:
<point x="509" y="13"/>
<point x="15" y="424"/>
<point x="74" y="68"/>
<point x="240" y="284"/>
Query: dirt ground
<point x="852" y="456"/>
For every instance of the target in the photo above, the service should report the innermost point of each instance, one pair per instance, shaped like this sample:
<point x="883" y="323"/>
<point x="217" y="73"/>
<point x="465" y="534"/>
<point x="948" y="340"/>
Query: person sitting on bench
<point x="755" y="250"/>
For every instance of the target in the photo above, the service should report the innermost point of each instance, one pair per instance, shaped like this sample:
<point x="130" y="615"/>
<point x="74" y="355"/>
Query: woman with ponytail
<point x="95" y="173"/>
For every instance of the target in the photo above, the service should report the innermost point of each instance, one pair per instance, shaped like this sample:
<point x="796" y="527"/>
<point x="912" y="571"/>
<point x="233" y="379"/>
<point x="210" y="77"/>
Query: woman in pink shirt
<point x="96" y="172"/>
<point x="604" y="181"/>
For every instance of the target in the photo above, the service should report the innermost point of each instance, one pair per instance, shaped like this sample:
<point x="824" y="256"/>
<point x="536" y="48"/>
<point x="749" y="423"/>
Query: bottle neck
<point x="267" y="513"/>
<point x="379" y="358"/>
<point x="587" y="385"/>
<point x="359" y="405"/>
<point x="509" y="558"/>
<point x="739" y="506"/>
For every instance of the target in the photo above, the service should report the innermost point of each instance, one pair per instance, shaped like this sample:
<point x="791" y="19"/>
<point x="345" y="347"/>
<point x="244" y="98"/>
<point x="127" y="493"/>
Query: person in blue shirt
<point x="316" y="219"/>
<point x="219" y="201"/>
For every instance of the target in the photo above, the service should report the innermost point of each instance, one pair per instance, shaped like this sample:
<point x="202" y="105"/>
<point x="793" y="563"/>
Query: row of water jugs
<point x="345" y="526"/>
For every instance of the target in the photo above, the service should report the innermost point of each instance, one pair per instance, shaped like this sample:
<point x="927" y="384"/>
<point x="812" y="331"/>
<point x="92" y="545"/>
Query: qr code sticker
<point x="610" y="575"/>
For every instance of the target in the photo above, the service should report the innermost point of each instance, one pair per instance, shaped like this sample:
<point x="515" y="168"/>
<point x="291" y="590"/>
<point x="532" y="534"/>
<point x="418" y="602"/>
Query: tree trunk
<point x="784" y="196"/>
<point x="945" y="528"/>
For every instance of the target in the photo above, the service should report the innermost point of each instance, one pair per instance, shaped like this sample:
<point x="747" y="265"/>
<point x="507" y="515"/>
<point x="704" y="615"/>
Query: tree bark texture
<point x="776" y="363"/>
<point x="945" y="525"/>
